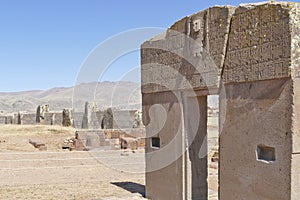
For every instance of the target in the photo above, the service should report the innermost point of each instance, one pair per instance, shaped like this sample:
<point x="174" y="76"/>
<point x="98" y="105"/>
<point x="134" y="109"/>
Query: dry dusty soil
<point x="27" y="173"/>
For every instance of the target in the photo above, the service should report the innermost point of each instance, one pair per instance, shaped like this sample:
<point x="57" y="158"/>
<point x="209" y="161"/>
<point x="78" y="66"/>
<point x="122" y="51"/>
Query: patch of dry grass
<point x="16" y="137"/>
<point x="6" y="130"/>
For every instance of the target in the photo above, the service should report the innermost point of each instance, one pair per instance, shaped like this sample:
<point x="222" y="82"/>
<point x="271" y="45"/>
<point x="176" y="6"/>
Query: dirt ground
<point x="27" y="173"/>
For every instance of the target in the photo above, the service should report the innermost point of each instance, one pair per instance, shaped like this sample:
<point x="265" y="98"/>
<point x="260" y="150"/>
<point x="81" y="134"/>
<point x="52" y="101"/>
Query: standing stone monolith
<point x="67" y="117"/>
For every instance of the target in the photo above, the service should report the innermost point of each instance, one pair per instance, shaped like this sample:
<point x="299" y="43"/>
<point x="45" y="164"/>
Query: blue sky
<point x="44" y="43"/>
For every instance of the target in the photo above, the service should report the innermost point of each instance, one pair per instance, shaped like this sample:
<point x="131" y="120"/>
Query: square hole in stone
<point x="265" y="153"/>
<point x="155" y="142"/>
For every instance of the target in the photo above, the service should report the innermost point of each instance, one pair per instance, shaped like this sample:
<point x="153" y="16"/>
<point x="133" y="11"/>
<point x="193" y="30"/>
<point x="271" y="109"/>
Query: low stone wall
<point x="123" y="119"/>
<point x="108" y="119"/>
<point x="58" y="118"/>
<point x="99" y="138"/>
<point x="27" y="119"/>
<point x="48" y="119"/>
<point x="77" y="119"/>
<point x="2" y="119"/>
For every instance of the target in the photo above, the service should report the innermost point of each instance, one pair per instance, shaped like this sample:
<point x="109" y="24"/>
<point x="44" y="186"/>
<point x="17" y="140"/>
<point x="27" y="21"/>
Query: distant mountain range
<point x="122" y="95"/>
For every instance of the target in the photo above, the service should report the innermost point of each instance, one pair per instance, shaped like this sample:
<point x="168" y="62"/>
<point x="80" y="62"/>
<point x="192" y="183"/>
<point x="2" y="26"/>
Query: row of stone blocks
<point x="53" y="118"/>
<point x="109" y="119"/>
<point x="109" y="138"/>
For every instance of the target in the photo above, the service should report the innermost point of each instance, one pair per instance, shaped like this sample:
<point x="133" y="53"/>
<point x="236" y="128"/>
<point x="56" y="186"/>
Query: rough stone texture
<point x="164" y="177"/>
<point x="105" y="138"/>
<point x="39" y="145"/>
<point x="172" y="62"/>
<point x="67" y="119"/>
<point x="295" y="63"/>
<point x="92" y="138"/>
<point x="259" y="45"/>
<point x="123" y="119"/>
<point x="138" y="121"/>
<point x="28" y="118"/>
<point x="77" y="117"/>
<point x="295" y="182"/>
<point x="269" y="106"/>
<point x="49" y="118"/>
<point x="40" y="114"/>
<point x="2" y="119"/>
<point x="251" y="55"/>
<point x="117" y="119"/>
<point x="86" y="116"/>
<point x="58" y="118"/>
<point x="91" y="117"/>
<point x="16" y="118"/>
<point x="10" y="119"/>
<point x="19" y="121"/>
<point x="257" y="113"/>
<point x="179" y="59"/>
<point x="107" y="121"/>
<point x="96" y="119"/>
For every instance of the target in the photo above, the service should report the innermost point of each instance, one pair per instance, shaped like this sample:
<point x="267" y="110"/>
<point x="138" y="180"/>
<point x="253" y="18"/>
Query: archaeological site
<point x="94" y="128"/>
<point x="248" y="55"/>
<point x="213" y="112"/>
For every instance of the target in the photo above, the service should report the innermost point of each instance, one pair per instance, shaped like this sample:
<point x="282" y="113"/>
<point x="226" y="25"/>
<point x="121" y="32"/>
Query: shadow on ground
<point x="131" y="187"/>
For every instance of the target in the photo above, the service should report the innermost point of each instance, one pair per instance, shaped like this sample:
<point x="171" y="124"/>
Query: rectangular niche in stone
<point x="155" y="142"/>
<point x="265" y="153"/>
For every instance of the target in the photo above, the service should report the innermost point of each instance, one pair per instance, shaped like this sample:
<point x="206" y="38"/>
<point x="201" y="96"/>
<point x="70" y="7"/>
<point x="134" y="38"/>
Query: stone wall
<point x="123" y="119"/>
<point x="77" y="119"/>
<point x="2" y="119"/>
<point x="96" y="119"/>
<point x="108" y="119"/>
<point x="106" y="138"/>
<point x="258" y="99"/>
<point x="28" y="118"/>
<point x="48" y="118"/>
<point x="58" y="118"/>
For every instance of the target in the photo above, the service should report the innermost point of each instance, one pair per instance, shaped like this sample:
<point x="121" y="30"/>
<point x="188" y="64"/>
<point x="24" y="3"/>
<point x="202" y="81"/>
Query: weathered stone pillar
<point x="164" y="149"/>
<point x="20" y="118"/>
<point x="86" y="116"/>
<point x="67" y="119"/>
<point x="38" y="114"/>
<point x="259" y="145"/>
<point x="179" y="69"/>
<point x="108" y="119"/>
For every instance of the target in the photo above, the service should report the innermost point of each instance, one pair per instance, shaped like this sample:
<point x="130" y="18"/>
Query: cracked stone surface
<point x="250" y="56"/>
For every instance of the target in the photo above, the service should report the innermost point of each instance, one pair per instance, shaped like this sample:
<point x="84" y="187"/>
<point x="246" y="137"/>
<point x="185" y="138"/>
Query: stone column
<point x="259" y="136"/>
<point x="67" y="119"/>
<point x="164" y="146"/>
<point x="86" y="116"/>
<point x="179" y="69"/>
<point x="38" y="114"/>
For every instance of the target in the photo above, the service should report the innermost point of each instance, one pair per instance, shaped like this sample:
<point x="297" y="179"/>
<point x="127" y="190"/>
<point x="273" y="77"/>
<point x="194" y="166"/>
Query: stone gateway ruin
<point x="249" y="56"/>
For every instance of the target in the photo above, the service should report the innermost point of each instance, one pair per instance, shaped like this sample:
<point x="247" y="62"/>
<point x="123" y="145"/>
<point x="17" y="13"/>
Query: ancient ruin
<point x="248" y="55"/>
<point x="91" y="118"/>
<point x="95" y="129"/>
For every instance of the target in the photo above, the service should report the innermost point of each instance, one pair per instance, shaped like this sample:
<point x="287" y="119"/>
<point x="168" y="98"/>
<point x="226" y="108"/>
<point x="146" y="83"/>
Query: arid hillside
<point x="123" y="95"/>
<point x="118" y="94"/>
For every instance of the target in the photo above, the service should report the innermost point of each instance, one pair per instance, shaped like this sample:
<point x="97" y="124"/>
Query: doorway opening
<point x="212" y="145"/>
